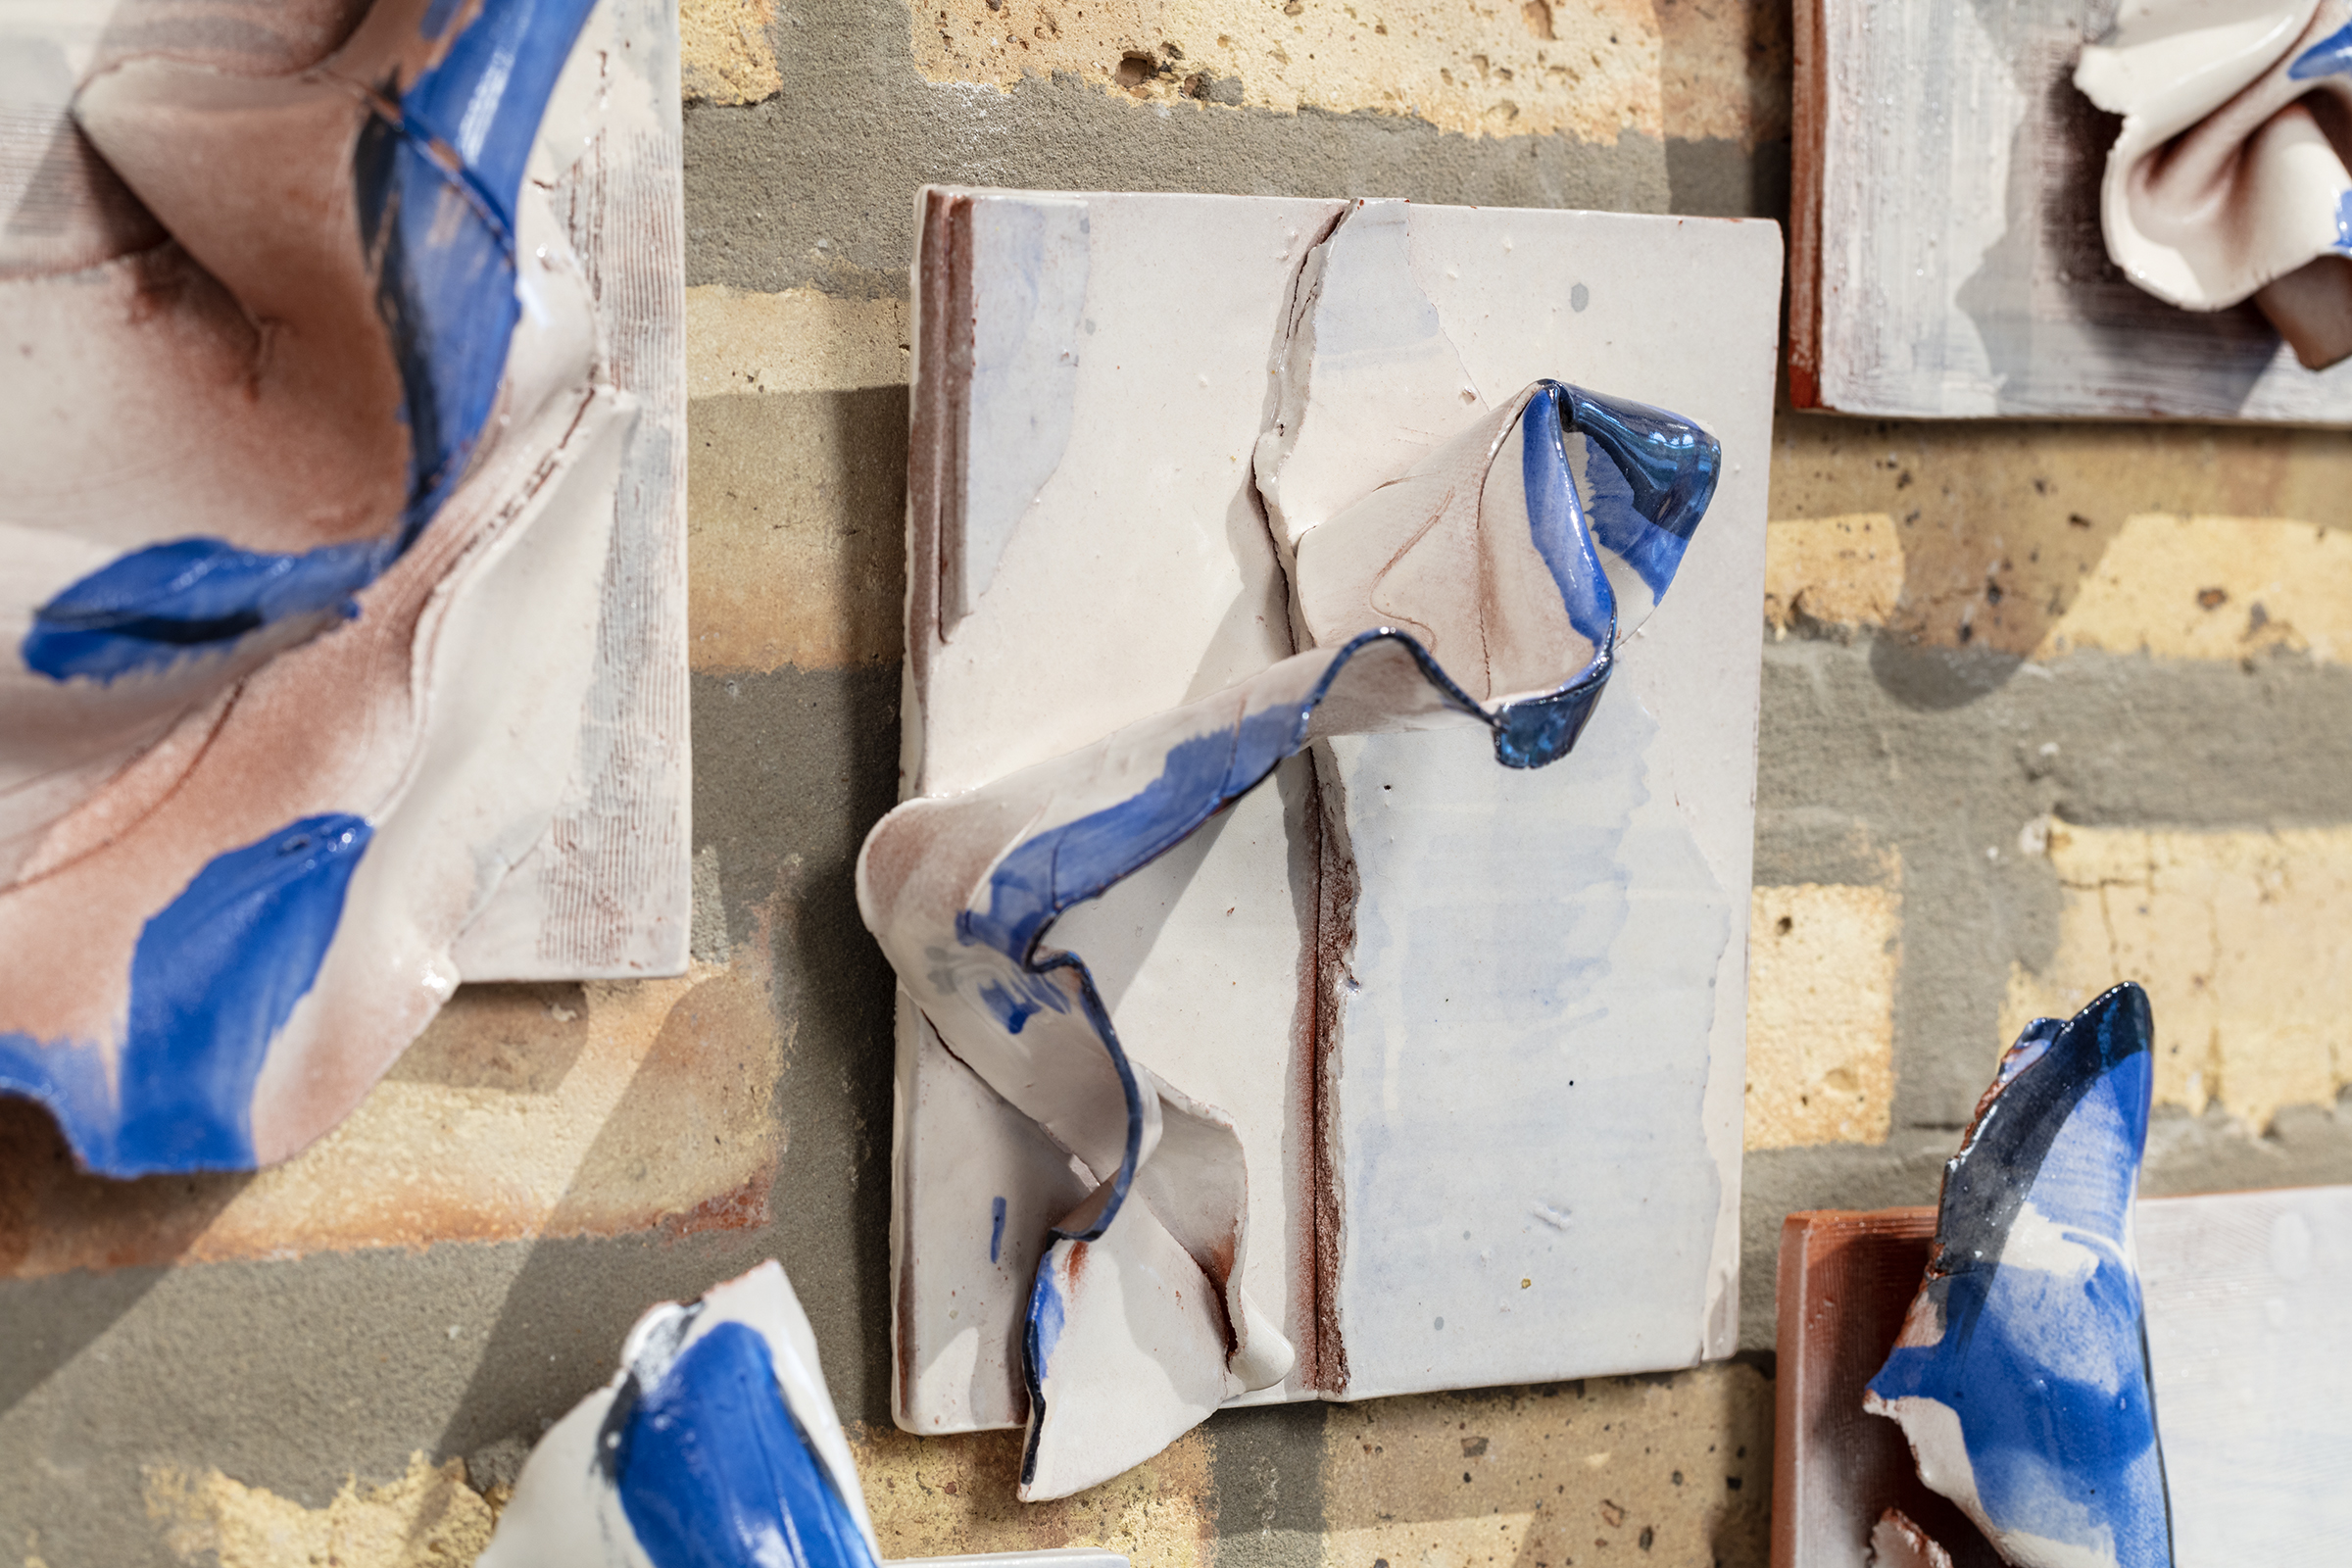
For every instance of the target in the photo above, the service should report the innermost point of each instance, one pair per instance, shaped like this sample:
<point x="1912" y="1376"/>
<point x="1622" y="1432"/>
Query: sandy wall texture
<point x="2043" y="705"/>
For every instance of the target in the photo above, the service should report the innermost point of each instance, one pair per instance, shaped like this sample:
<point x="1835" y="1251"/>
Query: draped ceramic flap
<point x="1255" y="1045"/>
<point x="345" y="651"/>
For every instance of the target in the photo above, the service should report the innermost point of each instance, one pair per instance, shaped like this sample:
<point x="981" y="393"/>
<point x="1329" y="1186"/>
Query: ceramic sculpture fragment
<point x="715" y="1446"/>
<point x="1487" y="586"/>
<point x="2021" y="1378"/>
<point x="302" y="619"/>
<point x="2229" y="179"/>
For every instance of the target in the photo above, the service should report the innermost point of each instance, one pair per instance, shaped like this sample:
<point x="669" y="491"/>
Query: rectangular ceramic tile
<point x="1512" y="1151"/>
<point x="1947" y="256"/>
<point x="2248" y="1340"/>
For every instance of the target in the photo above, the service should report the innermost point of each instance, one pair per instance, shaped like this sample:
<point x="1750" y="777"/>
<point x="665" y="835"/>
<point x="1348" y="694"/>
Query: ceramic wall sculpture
<point x="1253" y="1045"/>
<point x="2227" y="181"/>
<point x="2248" y="1345"/>
<point x="340" y="559"/>
<point x="714" y="1446"/>
<point x="1988" y="245"/>
<point x="2021" y="1378"/>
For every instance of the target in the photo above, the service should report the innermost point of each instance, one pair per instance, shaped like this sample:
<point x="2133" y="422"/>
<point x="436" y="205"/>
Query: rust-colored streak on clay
<point x="1325" y="1358"/>
<point x="1804" y="208"/>
<point x="1845" y="1282"/>
<point x="934" y="424"/>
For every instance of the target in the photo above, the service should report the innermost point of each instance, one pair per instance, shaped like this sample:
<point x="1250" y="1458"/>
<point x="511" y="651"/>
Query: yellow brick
<point x="944" y="1496"/>
<point x="1673" y="1470"/>
<point x="802" y="340"/>
<point x="1821" y="967"/>
<point x="1594" y="69"/>
<point x="521" y="1110"/>
<point x="2243" y="941"/>
<point x="2002" y="522"/>
<point x="2214" y="588"/>
<point x="429" y="1518"/>
<point x="725" y="55"/>
<point x="1844" y="571"/>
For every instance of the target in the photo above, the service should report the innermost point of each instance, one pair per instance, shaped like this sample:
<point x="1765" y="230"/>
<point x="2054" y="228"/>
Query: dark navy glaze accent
<point x="714" y="1471"/>
<point x="212" y="979"/>
<point x="995" y="1229"/>
<point x="436" y="184"/>
<point x="1041" y="1332"/>
<point x="148" y="610"/>
<point x="1670" y="466"/>
<point x="2024" y="1418"/>
<point x="2331" y="55"/>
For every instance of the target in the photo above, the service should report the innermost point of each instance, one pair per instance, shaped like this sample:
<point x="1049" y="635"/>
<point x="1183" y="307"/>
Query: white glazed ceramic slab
<point x="1535" y="1074"/>
<point x="1947" y="257"/>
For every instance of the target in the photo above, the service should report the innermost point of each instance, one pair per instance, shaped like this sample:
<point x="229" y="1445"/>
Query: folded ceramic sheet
<point x="1482" y="588"/>
<point x="2229" y="178"/>
<point x="312" y="516"/>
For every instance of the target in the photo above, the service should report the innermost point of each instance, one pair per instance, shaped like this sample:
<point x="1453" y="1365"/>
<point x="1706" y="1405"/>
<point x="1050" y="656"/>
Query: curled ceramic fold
<point x="2229" y="179"/>
<point x="242" y="816"/>
<point x="716" y="1444"/>
<point x="1488" y="551"/>
<point x="2020" y="1377"/>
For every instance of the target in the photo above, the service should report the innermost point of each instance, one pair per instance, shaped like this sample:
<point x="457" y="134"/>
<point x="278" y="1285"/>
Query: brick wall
<point x="2043" y="705"/>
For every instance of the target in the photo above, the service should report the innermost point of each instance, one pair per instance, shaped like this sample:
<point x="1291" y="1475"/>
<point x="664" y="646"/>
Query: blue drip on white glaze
<point x="441" y="237"/>
<point x="714" y="1471"/>
<point x="212" y="979"/>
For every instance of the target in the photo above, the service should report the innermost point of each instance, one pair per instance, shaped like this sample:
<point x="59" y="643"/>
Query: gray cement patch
<point x="817" y="185"/>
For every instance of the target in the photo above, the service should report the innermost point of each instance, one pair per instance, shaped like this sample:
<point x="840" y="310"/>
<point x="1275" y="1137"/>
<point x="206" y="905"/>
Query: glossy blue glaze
<point x="212" y="979"/>
<point x="149" y="608"/>
<point x="1555" y="519"/>
<point x="2042" y="1354"/>
<point x="2343" y="223"/>
<point x="1670" y="469"/>
<point x="714" y="1471"/>
<point x="436" y="184"/>
<point x="2331" y="55"/>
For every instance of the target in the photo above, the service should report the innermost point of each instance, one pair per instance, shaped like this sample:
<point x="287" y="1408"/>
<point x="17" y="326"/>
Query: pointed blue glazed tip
<point x="714" y="1471"/>
<point x="2022" y="1375"/>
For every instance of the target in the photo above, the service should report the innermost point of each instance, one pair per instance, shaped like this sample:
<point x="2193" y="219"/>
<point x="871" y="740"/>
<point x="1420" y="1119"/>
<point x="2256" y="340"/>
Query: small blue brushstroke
<point x="212" y="979"/>
<point x="437" y="178"/>
<point x="2049" y="1380"/>
<point x="149" y="608"/>
<point x="2331" y="55"/>
<point x="996" y="1232"/>
<point x="714" y="1471"/>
